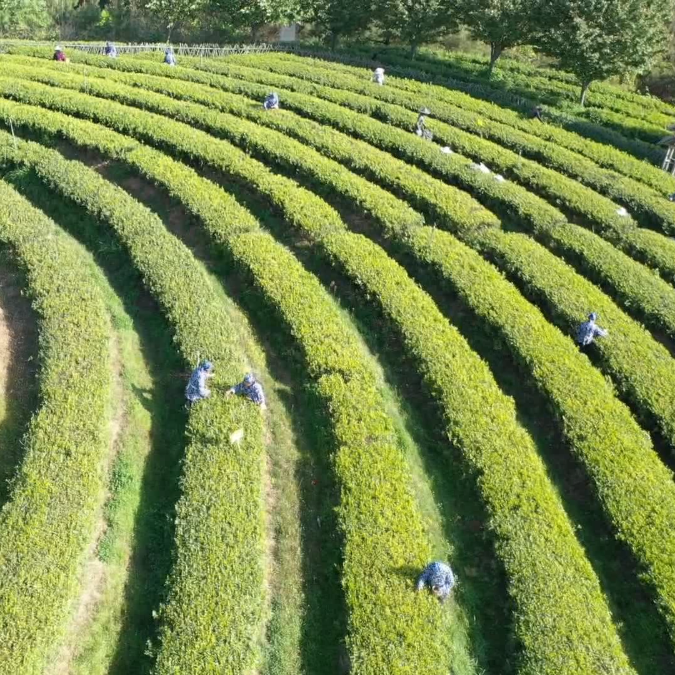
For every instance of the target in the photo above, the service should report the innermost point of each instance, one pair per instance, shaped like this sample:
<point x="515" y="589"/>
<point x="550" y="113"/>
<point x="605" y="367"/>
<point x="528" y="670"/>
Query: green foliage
<point x="637" y="444"/>
<point x="337" y="19"/>
<point x="546" y="566"/>
<point x="446" y="371"/>
<point x="443" y="204"/>
<point x="253" y="14"/>
<point x="48" y="522"/>
<point x="502" y="24"/>
<point x="23" y="18"/>
<point x="395" y="538"/>
<point x="224" y="479"/>
<point x="655" y="250"/>
<point x="642" y="117"/>
<point x="608" y="94"/>
<point x="595" y="39"/>
<point x="499" y="91"/>
<point x="635" y="285"/>
<point x="415" y="21"/>
<point x="491" y="122"/>
<point x="175" y="12"/>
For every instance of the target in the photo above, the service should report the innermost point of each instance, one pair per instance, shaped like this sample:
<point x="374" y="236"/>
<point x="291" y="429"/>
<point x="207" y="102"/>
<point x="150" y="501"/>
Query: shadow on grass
<point x="152" y="540"/>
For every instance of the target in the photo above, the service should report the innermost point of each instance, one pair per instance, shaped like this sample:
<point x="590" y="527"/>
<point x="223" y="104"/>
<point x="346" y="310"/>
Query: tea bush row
<point x="452" y="372"/>
<point x="219" y="518"/>
<point x="48" y="522"/>
<point x="647" y="381"/>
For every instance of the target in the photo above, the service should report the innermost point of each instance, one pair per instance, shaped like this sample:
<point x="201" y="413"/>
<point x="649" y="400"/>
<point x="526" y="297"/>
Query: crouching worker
<point x="439" y="578"/>
<point x="589" y="330"/>
<point x="59" y="55"/>
<point x="110" y="50"/>
<point x="271" y="101"/>
<point x="196" y="388"/>
<point x="169" y="57"/>
<point x="250" y="388"/>
<point x="378" y="76"/>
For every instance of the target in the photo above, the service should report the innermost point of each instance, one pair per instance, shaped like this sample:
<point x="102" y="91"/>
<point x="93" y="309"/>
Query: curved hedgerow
<point x="638" y="290"/>
<point x="449" y="106"/>
<point x="522" y="536"/>
<point x="515" y="85"/>
<point x="625" y="117"/>
<point x="609" y="148"/>
<point x="395" y="537"/>
<point x="644" y="245"/>
<point x="249" y="69"/>
<point x="49" y="521"/>
<point x="483" y="96"/>
<point x="224" y="478"/>
<point x="408" y="92"/>
<point x="594" y="431"/>
<point x="648" y="380"/>
<point x="635" y="118"/>
<point x="601" y="94"/>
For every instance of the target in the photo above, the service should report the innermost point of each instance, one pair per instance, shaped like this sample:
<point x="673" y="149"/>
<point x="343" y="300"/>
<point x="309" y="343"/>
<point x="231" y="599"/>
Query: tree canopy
<point x="595" y="39"/>
<point x="253" y="14"/>
<point x="23" y="18"/>
<point x="502" y="24"/>
<point x="174" y="12"/>
<point x="338" y="18"/>
<point x="415" y="21"/>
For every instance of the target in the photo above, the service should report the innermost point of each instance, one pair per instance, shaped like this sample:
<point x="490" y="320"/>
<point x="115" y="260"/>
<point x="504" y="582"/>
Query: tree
<point x="175" y="12"/>
<point x="338" y="18"/>
<point x="502" y="24"/>
<point x="254" y="14"/>
<point x="24" y="18"/>
<point x="415" y="21"/>
<point x="596" y="39"/>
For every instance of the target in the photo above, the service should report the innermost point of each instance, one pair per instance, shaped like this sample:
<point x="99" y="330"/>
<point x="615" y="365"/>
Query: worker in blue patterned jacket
<point x="196" y="388"/>
<point x="589" y="330"/>
<point x="271" y="101"/>
<point x="250" y="388"/>
<point x="439" y="578"/>
<point x="169" y="57"/>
